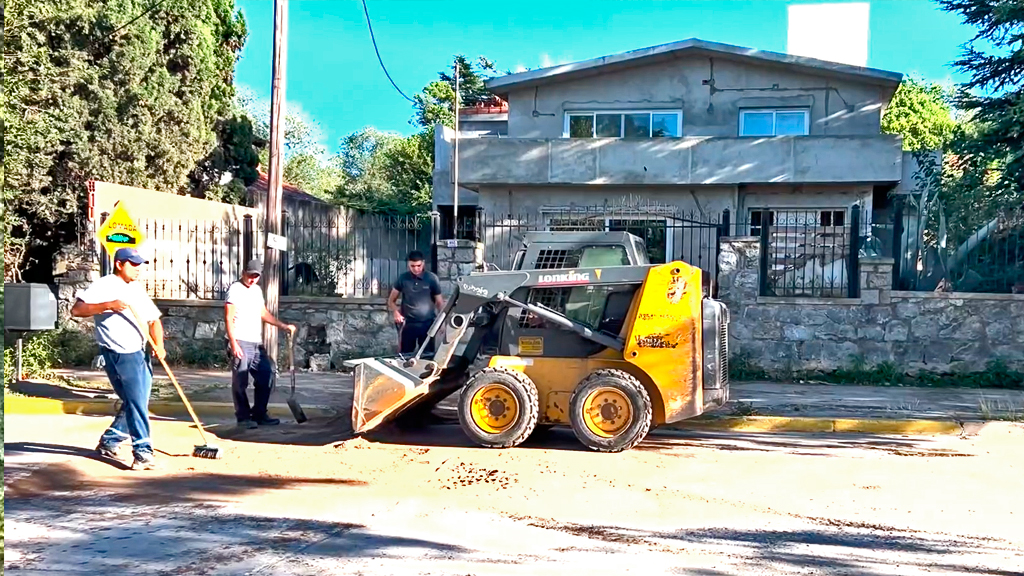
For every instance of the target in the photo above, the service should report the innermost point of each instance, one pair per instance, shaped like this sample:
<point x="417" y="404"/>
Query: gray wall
<point x="676" y="85"/>
<point x="688" y="160"/>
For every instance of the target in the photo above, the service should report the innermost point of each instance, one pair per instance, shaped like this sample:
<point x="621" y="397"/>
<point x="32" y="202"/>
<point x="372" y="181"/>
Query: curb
<point x="829" y="425"/>
<point x="918" y="427"/>
<point x="107" y="407"/>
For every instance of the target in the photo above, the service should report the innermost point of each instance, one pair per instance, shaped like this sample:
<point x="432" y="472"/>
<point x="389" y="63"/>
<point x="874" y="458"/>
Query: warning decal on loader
<point x="533" y="345"/>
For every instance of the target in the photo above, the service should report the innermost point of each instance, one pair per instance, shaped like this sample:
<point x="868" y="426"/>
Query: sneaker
<point x="267" y="421"/>
<point x="107" y="451"/>
<point x="247" y="424"/>
<point x="144" y="462"/>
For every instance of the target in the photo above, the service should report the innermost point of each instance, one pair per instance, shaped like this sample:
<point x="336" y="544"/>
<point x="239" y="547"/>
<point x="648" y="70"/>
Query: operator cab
<point x="549" y="250"/>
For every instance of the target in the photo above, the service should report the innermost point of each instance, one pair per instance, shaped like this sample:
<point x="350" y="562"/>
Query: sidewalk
<point x="753" y="406"/>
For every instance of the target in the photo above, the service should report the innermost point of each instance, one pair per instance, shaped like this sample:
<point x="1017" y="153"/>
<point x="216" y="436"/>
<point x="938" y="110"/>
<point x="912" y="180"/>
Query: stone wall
<point x="913" y="330"/>
<point x="330" y="330"/>
<point x="457" y="258"/>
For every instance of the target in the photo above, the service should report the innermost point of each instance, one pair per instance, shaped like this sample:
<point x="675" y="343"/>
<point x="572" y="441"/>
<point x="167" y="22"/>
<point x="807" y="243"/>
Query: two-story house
<point x="691" y="127"/>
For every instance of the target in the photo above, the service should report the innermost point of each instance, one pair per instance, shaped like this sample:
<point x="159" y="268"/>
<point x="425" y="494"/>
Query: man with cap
<point x="121" y="309"/>
<point x="245" y="311"/>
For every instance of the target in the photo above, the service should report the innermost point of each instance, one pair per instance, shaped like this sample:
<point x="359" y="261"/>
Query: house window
<point x="652" y="230"/>
<point x="768" y="122"/>
<point x="633" y="124"/>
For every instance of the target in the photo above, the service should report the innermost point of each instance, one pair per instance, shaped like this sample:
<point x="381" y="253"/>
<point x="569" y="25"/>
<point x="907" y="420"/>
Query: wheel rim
<point x="607" y="412"/>
<point x="494" y="408"/>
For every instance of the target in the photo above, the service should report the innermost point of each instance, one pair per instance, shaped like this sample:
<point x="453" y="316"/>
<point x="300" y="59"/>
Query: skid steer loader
<point x="587" y="334"/>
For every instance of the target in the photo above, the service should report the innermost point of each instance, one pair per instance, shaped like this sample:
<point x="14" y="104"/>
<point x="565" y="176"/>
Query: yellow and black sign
<point x="120" y="231"/>
<point x="531" y="345"/>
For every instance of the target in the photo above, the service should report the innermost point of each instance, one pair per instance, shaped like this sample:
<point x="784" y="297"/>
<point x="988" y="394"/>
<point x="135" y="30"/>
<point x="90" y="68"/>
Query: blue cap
<point x="131" y="255"/>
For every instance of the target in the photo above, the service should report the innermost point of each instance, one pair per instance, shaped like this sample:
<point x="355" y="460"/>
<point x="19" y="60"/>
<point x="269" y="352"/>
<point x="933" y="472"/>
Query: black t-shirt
<point x="418" y="295"/>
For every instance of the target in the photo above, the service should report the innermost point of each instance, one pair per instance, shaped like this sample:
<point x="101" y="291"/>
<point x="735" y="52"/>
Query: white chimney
<point x="832" y="32"/>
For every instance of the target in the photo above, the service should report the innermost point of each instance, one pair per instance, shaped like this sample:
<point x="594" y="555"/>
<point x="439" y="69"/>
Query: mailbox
<point x="29" y="307"/>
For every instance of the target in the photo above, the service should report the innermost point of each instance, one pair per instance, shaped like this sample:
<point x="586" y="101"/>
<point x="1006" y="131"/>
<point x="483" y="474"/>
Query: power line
<point x="133" y="20"/>
<point x="374" y="40"/>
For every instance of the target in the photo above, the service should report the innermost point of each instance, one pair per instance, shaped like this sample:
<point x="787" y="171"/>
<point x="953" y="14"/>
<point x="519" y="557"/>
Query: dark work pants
<point x="254" y="362"/>
<point x="412" y="334"/>
<point x="131" y="376"/>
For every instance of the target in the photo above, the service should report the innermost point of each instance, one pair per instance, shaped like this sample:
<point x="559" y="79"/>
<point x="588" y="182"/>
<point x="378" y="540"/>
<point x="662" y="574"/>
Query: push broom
<point x="206" y="450"/>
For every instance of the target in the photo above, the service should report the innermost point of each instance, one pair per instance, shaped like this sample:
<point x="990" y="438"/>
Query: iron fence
<point x="668" y="235"/>
<point x="196" y="258"/>
<point x="989" y="260"/>
<point x="808" y="253"/>
<point x="344" y="253"/>
<point x="330" y="253"/>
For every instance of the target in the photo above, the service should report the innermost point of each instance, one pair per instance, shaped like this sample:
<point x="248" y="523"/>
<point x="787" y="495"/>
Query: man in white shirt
<point x="245" y="312"/>
<point x="113" y="301"/>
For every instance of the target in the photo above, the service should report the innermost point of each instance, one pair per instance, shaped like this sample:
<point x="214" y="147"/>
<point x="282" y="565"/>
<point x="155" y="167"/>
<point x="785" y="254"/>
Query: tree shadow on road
<point x="40" y="448"/>
<point x="175" y="524"/>
<point x="835" y="546"/>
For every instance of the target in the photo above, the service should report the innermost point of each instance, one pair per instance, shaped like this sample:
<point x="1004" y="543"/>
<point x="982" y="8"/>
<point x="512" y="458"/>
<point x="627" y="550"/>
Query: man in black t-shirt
<point x="420" y="291"/>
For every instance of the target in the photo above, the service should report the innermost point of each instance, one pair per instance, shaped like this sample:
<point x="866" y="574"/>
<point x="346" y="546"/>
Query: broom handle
<point x="170" y="374"/>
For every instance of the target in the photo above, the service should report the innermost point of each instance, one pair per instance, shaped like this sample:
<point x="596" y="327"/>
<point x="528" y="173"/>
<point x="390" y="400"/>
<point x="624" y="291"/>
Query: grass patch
<point x="1001" y="410"/>
<point x="43" y="352"/>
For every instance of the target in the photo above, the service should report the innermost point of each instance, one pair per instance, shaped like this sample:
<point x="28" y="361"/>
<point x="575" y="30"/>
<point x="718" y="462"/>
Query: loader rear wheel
<point x="610" y="411"/>
<point x="498" y="407"/>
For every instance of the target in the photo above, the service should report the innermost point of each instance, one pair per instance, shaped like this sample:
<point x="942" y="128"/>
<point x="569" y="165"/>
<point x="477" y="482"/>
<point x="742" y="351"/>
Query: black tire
<point x="633" y="432"/>
<point x="522" y="389"/>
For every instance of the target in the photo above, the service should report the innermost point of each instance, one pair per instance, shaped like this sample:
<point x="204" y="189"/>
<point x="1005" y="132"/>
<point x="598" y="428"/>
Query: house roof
<point x="502" y="85"/>
<point x="262" y="185"/>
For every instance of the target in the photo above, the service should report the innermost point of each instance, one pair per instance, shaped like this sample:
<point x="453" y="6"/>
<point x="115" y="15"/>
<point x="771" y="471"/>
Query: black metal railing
<point x="344" y="253"/>
<point x="988" y="260"/>
<point x="808" y="253"/>
<point x="693" y="238"/>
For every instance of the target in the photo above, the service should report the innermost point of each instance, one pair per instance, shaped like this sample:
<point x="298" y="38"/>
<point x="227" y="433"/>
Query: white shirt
<point x="116" y="330"/>
<point x="249" y="305"/>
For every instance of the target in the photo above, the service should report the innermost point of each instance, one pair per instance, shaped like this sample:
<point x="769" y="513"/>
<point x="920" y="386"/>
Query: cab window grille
<point x="553" y="298"/>
<point x="551" y="259"/>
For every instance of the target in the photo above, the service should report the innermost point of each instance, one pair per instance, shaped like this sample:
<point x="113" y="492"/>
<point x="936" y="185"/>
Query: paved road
<point x="333" y="389"/>
<point x="307" y="500"/>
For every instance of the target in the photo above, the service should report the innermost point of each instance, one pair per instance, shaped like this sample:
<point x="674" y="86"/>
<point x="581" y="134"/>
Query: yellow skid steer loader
<point x="584" y="336"/>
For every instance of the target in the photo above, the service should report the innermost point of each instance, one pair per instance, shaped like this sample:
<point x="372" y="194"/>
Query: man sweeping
<point x="245" y="311"/>
<point x="111" y="301"/>
<point x="420" y="292"/>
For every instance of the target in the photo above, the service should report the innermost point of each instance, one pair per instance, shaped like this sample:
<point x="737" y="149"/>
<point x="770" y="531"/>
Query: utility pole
<point x="272" y="260"/>
<point x="455" y="209"/>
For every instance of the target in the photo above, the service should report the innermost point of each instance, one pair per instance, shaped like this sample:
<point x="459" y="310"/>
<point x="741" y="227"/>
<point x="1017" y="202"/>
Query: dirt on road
<point x="308" y="499"/>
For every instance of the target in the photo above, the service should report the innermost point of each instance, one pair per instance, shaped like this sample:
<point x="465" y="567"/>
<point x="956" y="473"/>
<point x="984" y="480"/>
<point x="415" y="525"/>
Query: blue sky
<point x="334" y="78"/>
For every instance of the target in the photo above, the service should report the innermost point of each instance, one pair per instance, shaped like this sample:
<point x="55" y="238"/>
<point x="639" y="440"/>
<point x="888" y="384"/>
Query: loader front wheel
<point x="610" y="411"/>
<point x="498" y="407"/>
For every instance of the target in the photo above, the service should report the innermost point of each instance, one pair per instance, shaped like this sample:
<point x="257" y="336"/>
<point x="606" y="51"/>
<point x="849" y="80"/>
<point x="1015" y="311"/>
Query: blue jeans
<point x="131" y="375"/>
<point x="255" y="362"/>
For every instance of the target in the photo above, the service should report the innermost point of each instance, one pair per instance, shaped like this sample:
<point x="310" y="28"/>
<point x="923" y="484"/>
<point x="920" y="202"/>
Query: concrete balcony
<point x="695" y="160"/>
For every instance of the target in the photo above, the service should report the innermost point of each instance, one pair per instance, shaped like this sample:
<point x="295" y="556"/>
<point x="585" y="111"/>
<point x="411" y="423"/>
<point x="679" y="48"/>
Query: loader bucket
<point x="383" y="391"/>
<point x="380" y="389"/>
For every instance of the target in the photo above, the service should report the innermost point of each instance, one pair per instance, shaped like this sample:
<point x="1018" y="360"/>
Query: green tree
<point x="436" y="103"/>
<point x="385" y="172"/>
<point x="125" y="91"/>
<point x="306" y="163"/>
<point x="988" y="175"/>
<point x="921" y="113"/>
